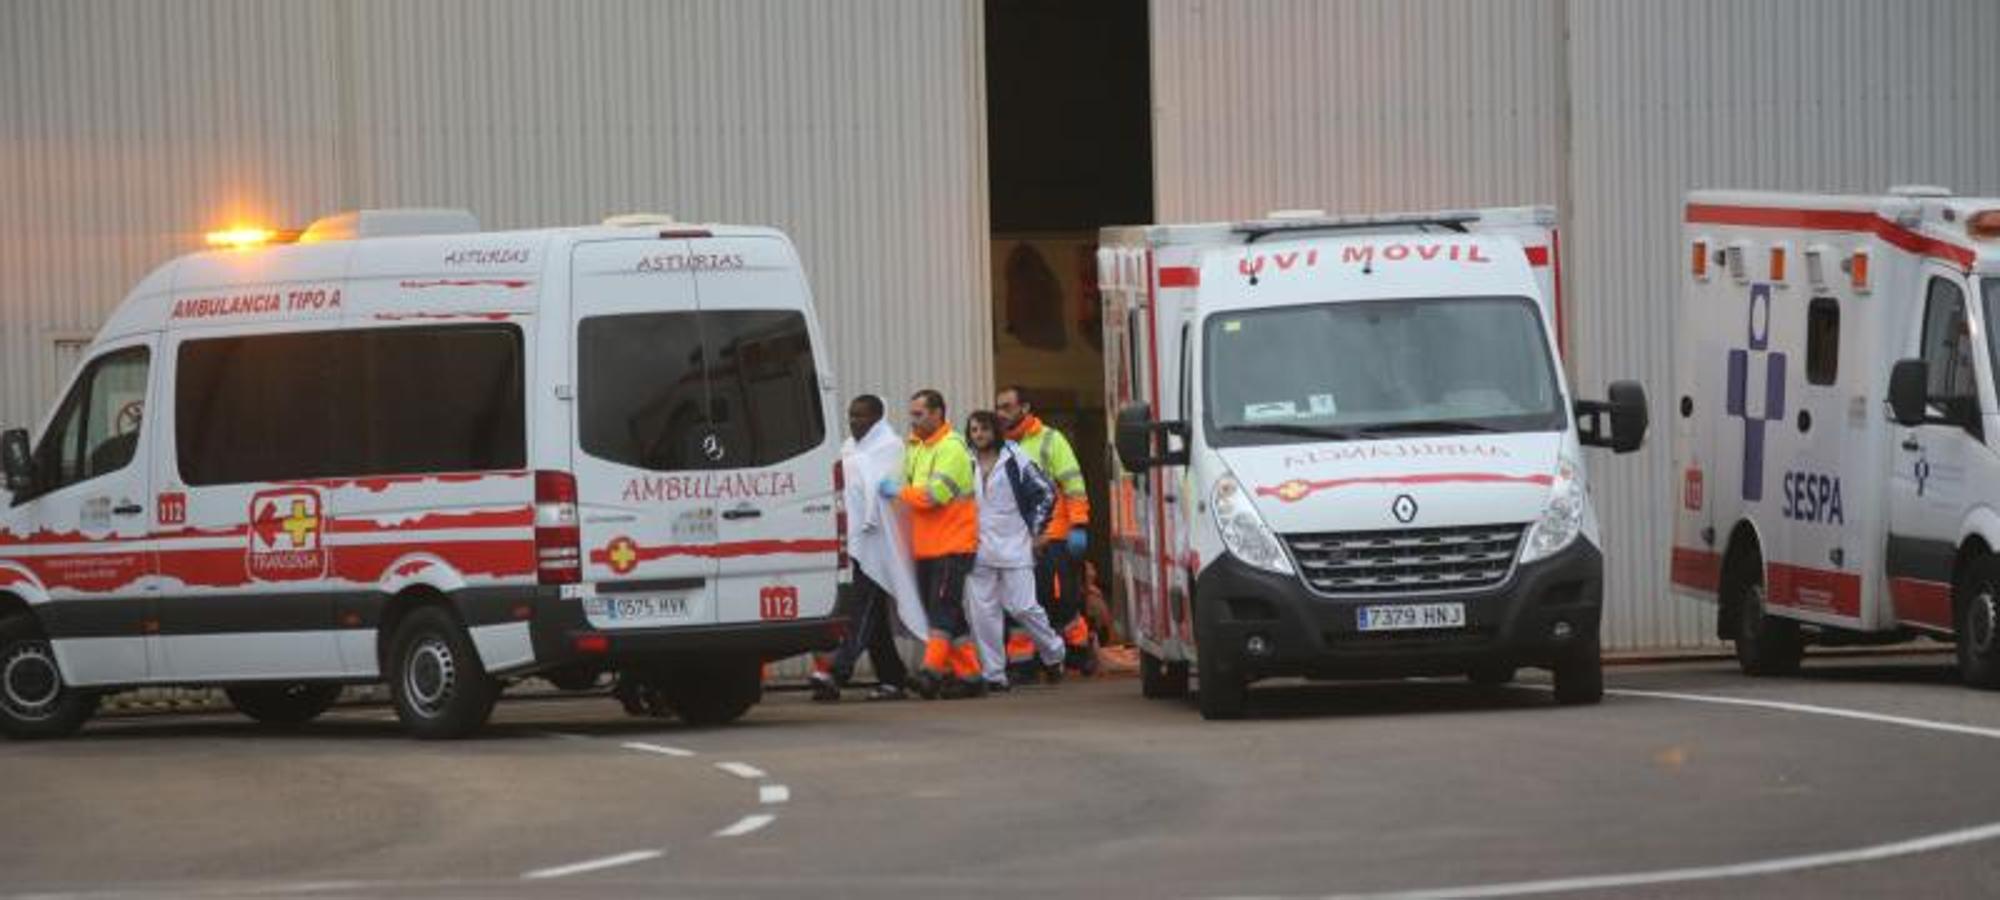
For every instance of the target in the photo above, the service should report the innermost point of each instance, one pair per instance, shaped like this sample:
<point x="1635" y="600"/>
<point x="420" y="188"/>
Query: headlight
<point x="1562" y="519"/>
<point x="1243" y="531"/>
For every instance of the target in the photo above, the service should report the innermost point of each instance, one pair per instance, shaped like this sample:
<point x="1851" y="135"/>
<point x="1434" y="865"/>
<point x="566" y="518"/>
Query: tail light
<point x="558" y="555"/>
<point x="840" y="514"/>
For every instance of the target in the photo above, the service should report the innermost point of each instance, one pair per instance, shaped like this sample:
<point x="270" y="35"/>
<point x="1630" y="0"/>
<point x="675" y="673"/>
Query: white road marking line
<point x="1873" y="853"/>
<point x="746" y="825"/>
<point x="592" y="865"/>
<point x="560" y="736"/>
<point x="774" y="793"/>
<point x="741" y="770"/>
<point x="661" y="749"/>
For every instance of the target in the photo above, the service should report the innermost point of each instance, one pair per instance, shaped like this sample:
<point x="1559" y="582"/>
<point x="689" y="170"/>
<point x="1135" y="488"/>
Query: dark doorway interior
<point x="1069" y="148"/>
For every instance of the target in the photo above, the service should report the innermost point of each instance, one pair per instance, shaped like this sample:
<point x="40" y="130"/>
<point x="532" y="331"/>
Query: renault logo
<point x="1404" y="509"/>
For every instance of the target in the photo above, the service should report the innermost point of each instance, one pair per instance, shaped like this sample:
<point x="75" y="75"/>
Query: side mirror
<point x="1909" y="381"/>
<point x="1628" y="414"/>
<point x="1135" y="437"/>
<point x="15" y="460"/>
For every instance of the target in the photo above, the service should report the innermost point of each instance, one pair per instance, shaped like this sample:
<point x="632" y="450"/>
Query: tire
<point x="440" y="686"/>
<point x="34" y="701"/>
<point x="1493" y="675"/>
<point x="283" y="705"/>
<point x="1161" y="680"/>
<point x="1766" y="645"/>
<point x="716" y="693"/>
<point x="576" y="679"/>
<point x="1579" y="674"/>
<point x="1222" y="692"/>
<point x="1977" y="618"/>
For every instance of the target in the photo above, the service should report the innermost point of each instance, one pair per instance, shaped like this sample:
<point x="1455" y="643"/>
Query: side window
<point x="96" y="430"/>
<point x="1132" y="353"/>
<point x="1948" y="350"/>
<point x="386" y="401"/>
<point x="764" y="401"/>
<point x="1186" y="409"/>
<point x="1822" y="341"/>
<point x="641" y="396"/>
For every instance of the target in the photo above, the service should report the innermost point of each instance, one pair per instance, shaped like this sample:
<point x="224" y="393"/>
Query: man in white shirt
<point x="1015" y="501"/>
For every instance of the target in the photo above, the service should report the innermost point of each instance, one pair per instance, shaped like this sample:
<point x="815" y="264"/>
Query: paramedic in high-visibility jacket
<point x="944" y="536"/>
<point x="1059" y="570"/>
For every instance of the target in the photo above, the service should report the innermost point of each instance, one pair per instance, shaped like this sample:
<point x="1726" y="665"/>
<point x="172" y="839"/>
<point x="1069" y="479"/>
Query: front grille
<point x="1409" y="561"/>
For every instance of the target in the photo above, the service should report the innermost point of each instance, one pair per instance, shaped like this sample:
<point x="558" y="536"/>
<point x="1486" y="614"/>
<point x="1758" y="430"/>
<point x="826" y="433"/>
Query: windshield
<point x="1341" y="371"/>
<point x="1991" y="292"/>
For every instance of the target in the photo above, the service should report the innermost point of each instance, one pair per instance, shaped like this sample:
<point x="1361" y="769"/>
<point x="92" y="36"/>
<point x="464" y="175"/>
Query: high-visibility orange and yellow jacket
<point x="1048" y="448"/>
<point x="937" y="485"/>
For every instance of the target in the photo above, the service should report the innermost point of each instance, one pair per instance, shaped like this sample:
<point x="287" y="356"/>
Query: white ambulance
<point x="401" y="449"/>
<point x="1837" y="441"/>
<point x="1348" y="450"/>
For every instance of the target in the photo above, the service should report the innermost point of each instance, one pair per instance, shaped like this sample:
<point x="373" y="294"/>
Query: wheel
<point x="715" y="693"/>
<point x="1978" y="623"/>
<point x="1492" y="675"/>
<point x="1222" y="692"/>
<point x="440" y="686"/>
<point x="283" y="704"/>
<point x="1161" y="680"/>
<point x="1765" y="644"/>
<point x="573" y="679"/>
<point x="34" y="701"/>
<point x="1579" y="673"/>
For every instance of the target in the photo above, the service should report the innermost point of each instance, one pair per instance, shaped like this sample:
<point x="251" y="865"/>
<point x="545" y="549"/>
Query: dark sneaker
<point x="1053" y="673"/>
<point x="957" y="689"/>
<point x="824" y="690"/>
<point x="925" y="684"/>
<point x="997" y="687"/>
<point x="888" y="692"/>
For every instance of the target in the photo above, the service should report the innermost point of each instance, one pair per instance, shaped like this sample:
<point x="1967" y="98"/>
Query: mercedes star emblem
<point x="712" y="447"/>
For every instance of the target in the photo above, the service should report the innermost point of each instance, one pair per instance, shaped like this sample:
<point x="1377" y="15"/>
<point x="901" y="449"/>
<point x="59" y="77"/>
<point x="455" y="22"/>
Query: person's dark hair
<point x="1020" y="394"/>
<point x="872" y="404"/>
<point x="990" y="420"/>
<point x="933" y="400"/>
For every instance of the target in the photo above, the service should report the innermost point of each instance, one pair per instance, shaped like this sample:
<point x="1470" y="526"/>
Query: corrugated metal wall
<point x="127" y="128"/>
<point x="1404" y="104"/>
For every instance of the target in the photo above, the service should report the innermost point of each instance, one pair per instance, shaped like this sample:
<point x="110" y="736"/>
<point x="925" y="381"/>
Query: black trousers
<point x="1059" y="584"/>
<point x="868" y="608"/>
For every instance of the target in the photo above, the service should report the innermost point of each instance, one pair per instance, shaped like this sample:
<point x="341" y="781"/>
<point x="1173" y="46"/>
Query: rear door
<point x="644" y="444"/>
<point x="777" y="548"/>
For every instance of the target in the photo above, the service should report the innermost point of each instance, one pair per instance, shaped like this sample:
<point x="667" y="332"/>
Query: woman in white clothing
<point x="1015" y="501"/>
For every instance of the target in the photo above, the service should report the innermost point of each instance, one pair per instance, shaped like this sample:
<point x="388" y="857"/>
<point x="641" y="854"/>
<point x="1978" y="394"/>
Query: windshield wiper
<point x="1430" y="426"/>
<point x="1316" y="432"/>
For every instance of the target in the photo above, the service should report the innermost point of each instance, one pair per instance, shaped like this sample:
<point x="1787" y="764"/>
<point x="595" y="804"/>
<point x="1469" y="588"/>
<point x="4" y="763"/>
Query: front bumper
<point x="562" y="635"/>
<point x="1311" y="635"/>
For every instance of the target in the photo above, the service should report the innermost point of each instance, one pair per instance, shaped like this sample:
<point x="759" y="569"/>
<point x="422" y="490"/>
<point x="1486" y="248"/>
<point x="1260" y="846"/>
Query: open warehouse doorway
<point x="1069" y="131"/>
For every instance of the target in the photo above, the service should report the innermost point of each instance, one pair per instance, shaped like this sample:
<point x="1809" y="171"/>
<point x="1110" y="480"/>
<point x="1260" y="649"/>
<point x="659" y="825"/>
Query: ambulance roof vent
<point x="638" y="220"/>
<point x="1293" y="215"/>
<point x="1919" y="190"/>
<point x="374" y="223"/>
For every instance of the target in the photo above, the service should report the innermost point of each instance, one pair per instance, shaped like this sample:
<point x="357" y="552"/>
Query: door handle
<point x="734" y="514"/>
<point x="1911" y="445"/>
<point x="128" y="509"/>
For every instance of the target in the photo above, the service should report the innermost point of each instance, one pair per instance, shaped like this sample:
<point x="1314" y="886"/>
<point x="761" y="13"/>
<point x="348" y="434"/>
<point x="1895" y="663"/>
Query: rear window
<point x="709" y="390"/>
<point x="390" y="401"/>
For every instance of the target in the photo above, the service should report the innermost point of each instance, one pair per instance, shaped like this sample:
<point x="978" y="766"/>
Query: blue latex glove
<point x="1078" y="542"/>
<point x="887" y="489"/>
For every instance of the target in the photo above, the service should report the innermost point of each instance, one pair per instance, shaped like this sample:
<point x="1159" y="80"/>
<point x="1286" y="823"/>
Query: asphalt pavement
<point x="1862" y="777"/>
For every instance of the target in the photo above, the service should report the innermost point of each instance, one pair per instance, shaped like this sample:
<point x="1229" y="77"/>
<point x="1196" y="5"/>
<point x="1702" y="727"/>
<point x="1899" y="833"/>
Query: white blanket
<point x="876" y="530"/>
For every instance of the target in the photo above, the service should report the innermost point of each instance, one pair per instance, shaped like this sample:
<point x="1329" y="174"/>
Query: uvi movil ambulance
<point x="1348" y="451"/>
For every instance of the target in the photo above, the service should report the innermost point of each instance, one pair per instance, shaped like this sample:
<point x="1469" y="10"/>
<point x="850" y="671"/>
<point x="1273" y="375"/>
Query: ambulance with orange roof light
<point x="393" y="447"/>
<point x="1348" y="451"/>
